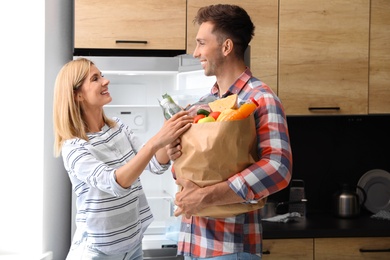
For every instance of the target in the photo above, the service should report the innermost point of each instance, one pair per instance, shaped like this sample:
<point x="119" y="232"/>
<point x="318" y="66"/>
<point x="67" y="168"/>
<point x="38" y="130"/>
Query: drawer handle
<point x="161" y="257"/>
<point x="374" y="250"/>
<point x="123" y="41"/>
<point x="266" y="252"/>
<point x="324" y="108"/>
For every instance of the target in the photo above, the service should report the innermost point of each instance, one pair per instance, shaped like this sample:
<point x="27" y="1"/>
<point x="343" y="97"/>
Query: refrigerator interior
<point x="135" y="87"/>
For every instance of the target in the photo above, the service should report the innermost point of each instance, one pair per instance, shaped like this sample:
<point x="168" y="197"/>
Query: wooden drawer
<point x="288" y="249"/>
<point x="352" y="248"/>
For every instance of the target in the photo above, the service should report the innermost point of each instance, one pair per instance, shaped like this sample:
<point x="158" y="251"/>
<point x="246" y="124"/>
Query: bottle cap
<point x="254" y="101"/>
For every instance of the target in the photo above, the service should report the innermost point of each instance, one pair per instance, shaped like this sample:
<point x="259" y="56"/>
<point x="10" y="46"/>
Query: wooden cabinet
<point x="323" y="56"/>
<point x="379" y="87"/>
<point x="327" y="248"/>
<point x="264" y="52"/>
<point x="320" y="57"/>
<point x="130" y="24"/>
<point x="275" y="249"/>
<point x="352" y="248"/>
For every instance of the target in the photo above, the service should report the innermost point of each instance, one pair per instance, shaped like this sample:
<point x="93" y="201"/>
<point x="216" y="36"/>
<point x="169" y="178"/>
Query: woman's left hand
<point x="173" y="128"/>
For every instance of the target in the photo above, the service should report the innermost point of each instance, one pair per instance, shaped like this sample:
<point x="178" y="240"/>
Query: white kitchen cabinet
<point x="130" y="24"/>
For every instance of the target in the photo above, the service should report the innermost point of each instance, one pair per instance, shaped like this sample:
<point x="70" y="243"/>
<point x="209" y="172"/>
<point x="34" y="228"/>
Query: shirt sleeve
<point x="82" y="165"/>
<point x="272" y="172"/>
<point x="153" y="166"/>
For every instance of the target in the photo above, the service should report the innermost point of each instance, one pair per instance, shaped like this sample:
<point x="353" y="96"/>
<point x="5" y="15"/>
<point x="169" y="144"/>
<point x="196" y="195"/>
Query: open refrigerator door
<point x="136" y="85"/>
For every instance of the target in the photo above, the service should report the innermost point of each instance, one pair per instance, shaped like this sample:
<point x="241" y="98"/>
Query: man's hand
<point x="174" y="149"/>
<point x="190" y="199"/>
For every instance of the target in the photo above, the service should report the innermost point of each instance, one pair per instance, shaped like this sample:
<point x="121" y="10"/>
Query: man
<point x="223" y="36"/>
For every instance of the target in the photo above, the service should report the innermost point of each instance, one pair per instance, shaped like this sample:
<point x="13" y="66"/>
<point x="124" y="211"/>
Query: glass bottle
<point x="169" y="106"/>
<point x="248" y="107"/>
<point x="243" y="111"/>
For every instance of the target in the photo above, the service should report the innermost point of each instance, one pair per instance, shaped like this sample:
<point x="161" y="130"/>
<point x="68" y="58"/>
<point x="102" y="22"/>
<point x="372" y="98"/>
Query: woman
<point x="104" y="160"/>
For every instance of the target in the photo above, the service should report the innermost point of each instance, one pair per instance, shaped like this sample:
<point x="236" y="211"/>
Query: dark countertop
<point x="326" y="225"/>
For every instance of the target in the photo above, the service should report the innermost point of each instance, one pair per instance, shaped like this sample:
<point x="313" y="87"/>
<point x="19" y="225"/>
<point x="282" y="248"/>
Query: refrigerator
<point x="136" y="86"/>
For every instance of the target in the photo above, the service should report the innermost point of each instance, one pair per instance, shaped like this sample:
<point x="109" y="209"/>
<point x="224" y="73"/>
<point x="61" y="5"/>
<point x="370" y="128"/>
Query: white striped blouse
<point x="110" y="218"/>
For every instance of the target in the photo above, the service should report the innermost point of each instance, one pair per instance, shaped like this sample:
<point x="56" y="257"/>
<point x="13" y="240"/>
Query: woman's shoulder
<point x="115" y="122"/>
<point x="74" y="143"/>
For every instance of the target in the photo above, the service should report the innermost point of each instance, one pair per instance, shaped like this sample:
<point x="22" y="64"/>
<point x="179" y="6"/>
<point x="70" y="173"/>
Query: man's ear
<point x="227" y="47"/>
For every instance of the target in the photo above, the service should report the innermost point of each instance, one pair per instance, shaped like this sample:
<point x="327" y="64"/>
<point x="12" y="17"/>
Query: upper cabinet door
<point x="323" y="56"/>
<point x="379" y="88"/>
<point x="130" y="24"/>
<point x="264" y="45"/>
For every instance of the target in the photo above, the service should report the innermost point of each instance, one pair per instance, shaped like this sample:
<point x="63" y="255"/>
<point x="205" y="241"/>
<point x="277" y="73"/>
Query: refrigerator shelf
<point x="131" y="106"/>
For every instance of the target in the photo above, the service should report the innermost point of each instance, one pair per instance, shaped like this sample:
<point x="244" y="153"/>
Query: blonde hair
<point x="67" y="113"/>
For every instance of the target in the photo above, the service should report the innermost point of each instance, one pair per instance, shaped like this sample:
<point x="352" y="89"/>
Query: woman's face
<point x="208" y="50"/>
<point x="94" y="90"/>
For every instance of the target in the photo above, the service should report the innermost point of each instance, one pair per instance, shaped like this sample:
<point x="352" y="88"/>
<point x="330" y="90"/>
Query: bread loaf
<point x="219" y="105"/>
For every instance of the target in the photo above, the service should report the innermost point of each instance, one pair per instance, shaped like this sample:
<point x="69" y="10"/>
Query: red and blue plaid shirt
<point x="202" y="237"/>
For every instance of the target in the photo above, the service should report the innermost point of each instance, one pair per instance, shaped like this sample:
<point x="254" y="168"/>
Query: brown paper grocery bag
<point x="213" y="152"/>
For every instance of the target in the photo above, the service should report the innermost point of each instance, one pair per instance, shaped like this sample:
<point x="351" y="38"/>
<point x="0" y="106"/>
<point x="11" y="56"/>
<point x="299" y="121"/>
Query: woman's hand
<point x="173" y="128"/>
<point x="169" y="133"/>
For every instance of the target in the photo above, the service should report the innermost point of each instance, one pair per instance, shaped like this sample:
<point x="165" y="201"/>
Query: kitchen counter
<point x="325" y="226"/>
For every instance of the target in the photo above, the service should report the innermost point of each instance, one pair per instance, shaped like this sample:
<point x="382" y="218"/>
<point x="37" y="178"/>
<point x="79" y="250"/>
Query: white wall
<point x="35" y="192"/>
<point x="22" y="82"/>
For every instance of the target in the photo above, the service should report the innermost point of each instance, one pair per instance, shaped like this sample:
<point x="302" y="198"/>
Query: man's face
<point x="208" y="49"/>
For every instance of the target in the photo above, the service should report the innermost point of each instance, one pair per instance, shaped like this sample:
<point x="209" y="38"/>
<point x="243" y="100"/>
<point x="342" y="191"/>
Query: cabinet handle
<point x="374" y="250"/>
<point x="266" y="252"/>
<point x="123" y="41"/>
<point x="324" y="108"/>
